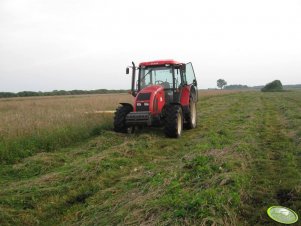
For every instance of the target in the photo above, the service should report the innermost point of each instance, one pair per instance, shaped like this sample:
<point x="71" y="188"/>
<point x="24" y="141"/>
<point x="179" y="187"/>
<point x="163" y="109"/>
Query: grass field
<point x="37" y="124"/>
<point x="244" y="156"/>
<point x="30" y="125"/>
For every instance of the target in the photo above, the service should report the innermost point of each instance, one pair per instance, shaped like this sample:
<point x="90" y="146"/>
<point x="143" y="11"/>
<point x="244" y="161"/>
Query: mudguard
<point x="127" y="104"/>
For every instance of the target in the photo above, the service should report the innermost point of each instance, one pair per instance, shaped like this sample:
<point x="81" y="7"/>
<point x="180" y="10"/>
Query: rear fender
<point x="186" y="93"/>
<point x="194" y="94"/>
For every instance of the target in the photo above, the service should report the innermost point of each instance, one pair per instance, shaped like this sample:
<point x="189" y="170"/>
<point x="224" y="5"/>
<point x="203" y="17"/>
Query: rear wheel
<point x="174" y="121"/>
<point x="119" y="119"/>
<point x="192" y="115"/>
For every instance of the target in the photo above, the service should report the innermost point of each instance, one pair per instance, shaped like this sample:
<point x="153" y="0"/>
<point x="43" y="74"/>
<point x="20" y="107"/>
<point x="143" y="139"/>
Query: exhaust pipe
<point x="133" y="79"/>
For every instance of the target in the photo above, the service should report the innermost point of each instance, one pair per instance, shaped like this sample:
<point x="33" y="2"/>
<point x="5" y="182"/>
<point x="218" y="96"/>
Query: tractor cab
<point x="168" y="76"/>
<point x="163" y="90"/>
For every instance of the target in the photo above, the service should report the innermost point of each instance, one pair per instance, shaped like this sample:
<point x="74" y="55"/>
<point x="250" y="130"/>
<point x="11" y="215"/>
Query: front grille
<point x="144" y="96"/>
<point x="142" y="107"/>
<point x="136" y="118"/>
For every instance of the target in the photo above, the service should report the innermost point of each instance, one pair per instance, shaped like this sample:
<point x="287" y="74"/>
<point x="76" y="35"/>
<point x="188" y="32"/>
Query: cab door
<point x="190" y="77"/>
<point x="189" y="85"/>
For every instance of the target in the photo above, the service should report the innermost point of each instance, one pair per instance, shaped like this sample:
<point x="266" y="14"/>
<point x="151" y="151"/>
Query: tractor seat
<point x="165" y="85"/>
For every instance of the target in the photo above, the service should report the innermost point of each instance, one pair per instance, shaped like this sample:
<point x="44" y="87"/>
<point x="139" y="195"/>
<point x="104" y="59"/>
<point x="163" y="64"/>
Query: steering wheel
<point x="159" y="82"/>
<point x="166" y="85"/>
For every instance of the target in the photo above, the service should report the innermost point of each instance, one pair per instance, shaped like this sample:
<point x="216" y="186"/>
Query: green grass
<point x="244" y="156"/>
<point x="12" y="149"/>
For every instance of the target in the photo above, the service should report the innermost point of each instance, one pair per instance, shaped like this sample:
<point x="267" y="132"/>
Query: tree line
<point x="274" y="86"/>
<point x="222" y="84"/>
<point x="59" y="93"/>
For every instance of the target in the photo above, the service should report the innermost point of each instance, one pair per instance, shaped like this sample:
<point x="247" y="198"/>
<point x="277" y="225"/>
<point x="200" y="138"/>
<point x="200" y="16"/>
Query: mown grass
<point x="243" y="157"/>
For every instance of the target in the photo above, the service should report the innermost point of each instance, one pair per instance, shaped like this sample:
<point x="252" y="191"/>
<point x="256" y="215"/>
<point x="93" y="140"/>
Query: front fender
<point x="127" y="104"/>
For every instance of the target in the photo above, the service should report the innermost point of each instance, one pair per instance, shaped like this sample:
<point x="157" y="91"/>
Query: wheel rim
<point x="193" y="114"/>
<point x="179" y="123"/>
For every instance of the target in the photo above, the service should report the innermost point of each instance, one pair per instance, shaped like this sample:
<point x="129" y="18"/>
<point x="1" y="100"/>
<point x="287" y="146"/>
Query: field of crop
<point x="30" y="125"/>
<point x="62" y="166"/>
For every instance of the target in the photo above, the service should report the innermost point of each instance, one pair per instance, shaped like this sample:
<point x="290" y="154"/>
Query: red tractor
<point x="165" y="95"/>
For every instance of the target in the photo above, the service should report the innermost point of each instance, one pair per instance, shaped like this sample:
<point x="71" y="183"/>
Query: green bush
<point x="274" y="86"/>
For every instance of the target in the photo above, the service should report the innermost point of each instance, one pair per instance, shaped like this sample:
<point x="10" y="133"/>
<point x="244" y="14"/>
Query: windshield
<point x="156" y="76"/>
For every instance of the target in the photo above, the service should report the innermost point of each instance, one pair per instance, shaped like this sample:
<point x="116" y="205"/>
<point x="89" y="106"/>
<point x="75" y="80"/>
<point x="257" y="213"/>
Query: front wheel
<point x="119" y="119"/>
<point x="174" y="121"/>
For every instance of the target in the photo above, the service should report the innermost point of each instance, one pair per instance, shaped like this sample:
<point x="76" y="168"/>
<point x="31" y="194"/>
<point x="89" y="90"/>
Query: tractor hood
<point x="146" y="97"/>
<point x="151" y="89"/>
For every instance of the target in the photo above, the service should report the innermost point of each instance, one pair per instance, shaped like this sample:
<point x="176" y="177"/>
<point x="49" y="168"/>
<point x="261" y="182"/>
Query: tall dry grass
<point x="22" y="116"/>
<point x="29" y="125"/>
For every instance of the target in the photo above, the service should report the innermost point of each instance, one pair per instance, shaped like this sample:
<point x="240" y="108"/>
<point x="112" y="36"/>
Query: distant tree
<point x="221" y="83"/>
<point x="274" y="86"/>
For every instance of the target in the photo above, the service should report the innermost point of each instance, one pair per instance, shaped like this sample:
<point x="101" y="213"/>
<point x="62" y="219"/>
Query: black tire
<point x="119" y="118"/>
<point x="173" y="121"/>
<point x="191" y="118"/>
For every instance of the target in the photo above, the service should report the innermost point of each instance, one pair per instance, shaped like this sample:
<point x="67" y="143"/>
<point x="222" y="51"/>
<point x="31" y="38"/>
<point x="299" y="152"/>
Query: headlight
<point x="139" y="104"/>
<point x="146" y="104"/>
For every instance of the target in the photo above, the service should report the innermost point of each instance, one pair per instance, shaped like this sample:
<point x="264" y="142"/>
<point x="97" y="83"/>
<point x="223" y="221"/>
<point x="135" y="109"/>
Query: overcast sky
<point x="87" y="44"/>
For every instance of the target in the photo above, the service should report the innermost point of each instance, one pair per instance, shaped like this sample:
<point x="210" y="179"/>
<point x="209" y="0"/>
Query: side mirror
<point x="184" y="68"/>
<point x="195" y="83"/>
<point x="127" y="71"/>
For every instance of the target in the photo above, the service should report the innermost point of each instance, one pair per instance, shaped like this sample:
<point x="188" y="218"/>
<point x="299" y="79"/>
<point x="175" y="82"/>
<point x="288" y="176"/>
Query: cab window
<point x="190" y="77"/>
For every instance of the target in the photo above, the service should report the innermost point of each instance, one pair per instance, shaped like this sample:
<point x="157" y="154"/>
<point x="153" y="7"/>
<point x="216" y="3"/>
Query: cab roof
<point x="159" y="62"/>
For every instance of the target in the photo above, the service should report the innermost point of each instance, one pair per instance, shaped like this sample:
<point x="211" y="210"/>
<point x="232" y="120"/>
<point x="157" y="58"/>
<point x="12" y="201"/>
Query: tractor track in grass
<point x="276" y="177"/>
